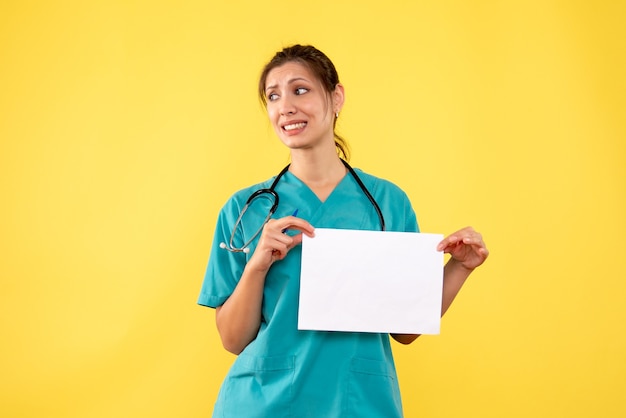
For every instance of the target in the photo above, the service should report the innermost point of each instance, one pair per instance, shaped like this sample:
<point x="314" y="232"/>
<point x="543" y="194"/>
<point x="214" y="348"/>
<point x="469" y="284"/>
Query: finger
<point x="284" y="245"/>
<point x="450" y="240"/>
<point x="296" y="240"/>
<point x="472" y="251"/>
<point x="465" y="245"/>
<point x="279" y="253"/>
<point x="279" y="244"/>
<point x="473" y="239"/>
<point x="452" y="248"/>
<point x="476" y="240"/>
<point x="466" y="235"/>
<point x="292" y="223"/>
<point x="276" y="239"/>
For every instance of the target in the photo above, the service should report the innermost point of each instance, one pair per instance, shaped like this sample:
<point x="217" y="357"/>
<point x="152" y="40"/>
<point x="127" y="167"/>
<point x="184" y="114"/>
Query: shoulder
<point x="393" y="202"/>
<point x="231" y="209"/>
<point x="241" y="196"/>
<point x="379" y="185"/>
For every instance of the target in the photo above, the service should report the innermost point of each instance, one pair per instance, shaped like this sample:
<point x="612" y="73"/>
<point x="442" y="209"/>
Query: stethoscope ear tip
<point x="246" y="250"/>
<point x="222" y="245"/>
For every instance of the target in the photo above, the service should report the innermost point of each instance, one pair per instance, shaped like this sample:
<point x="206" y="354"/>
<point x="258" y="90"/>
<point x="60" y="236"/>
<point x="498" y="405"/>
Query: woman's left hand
<point x="465" y="246"/>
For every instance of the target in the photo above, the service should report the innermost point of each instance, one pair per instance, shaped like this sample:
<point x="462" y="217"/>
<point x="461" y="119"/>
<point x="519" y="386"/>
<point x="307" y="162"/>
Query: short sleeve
<point x="410" y="218"/>
<point x="224" y="268"/>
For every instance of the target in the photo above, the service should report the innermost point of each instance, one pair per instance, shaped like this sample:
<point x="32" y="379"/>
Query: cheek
<point x="272" y="114"/>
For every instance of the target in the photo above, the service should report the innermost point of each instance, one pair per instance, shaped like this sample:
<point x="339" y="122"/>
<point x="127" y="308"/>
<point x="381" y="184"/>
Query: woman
<point x="281" y="371"/>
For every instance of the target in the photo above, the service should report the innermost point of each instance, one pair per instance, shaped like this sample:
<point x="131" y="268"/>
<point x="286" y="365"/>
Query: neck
<point x="321" y="173"/>
<point x="317" y="168"/>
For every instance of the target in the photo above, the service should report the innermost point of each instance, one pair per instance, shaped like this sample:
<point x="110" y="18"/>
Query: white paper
<point x="371" y="281"/>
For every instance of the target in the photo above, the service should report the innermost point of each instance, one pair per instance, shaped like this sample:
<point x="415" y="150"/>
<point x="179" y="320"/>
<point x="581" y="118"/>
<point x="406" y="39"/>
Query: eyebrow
<point x="291" y="81"/>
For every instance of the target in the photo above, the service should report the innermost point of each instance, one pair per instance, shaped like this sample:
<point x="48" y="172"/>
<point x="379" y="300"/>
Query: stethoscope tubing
<point x="245" y="247"/>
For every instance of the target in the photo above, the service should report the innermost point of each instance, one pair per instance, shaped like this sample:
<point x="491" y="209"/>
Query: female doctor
<point x="252" y="281"/>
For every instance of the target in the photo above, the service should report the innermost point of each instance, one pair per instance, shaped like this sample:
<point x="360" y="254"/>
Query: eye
<point x="301" y="90"/>
<point x="272" y="96"/>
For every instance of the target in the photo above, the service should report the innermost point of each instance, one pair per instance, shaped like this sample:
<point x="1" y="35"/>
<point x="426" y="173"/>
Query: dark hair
<point x="321" y="67"/>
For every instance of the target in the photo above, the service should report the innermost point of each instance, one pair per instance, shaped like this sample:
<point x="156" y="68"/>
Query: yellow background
<point x="125" y="125"/>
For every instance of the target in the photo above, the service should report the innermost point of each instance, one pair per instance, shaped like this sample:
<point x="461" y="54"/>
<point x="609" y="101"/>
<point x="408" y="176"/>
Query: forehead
<point x="287" y="72"/>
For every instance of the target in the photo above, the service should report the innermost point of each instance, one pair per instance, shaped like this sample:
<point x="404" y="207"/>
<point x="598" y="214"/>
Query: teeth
<point x="295" y="126"/>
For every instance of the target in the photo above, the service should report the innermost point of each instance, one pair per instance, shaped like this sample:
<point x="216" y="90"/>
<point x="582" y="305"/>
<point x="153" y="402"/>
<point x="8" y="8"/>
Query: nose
<point x="286" y="107"/>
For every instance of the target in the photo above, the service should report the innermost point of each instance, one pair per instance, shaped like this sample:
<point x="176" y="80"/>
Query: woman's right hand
<point x="275" y="243"/>
<point x="239" y="318"/>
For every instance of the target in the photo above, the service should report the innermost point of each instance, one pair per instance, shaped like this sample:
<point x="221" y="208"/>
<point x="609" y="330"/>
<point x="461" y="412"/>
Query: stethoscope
<point x="271" y="194"/>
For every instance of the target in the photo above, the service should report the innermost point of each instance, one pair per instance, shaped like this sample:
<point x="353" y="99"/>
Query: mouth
<point x="294" y="126"/>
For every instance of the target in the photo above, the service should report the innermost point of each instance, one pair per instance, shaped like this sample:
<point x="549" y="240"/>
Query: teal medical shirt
<point x="285" y="372"/>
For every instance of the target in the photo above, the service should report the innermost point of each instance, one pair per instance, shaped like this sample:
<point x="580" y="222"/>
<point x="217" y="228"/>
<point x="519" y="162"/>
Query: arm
<point x="468" y="251"/>
<point x="239" y="318"/>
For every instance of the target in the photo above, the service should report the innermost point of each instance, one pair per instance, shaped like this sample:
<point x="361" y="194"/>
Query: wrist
<point x="455" y="264"/>
<point x="257" y="266"/>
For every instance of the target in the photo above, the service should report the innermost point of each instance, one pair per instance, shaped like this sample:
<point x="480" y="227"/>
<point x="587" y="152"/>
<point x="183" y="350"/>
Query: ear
<point x="339" y="96"/>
